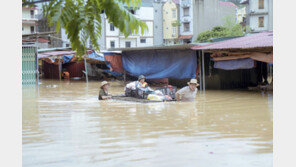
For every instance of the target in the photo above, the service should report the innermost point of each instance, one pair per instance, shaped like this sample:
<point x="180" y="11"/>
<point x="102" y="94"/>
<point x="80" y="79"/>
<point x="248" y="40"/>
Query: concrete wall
<point x="157" y="24"/>
<point x="208" y="14"/>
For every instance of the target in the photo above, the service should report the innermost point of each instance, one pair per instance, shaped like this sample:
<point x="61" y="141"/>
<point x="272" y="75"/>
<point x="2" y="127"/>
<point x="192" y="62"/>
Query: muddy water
<point x="67" y="126"/>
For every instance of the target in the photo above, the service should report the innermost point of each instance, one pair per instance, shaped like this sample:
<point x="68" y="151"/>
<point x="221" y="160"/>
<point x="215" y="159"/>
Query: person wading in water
<point x="103" y="94"/>
<point x="188" y="93"/>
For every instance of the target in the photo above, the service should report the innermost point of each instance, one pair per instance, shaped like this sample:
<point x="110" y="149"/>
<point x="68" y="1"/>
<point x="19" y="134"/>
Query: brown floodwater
<point x="65" y="125"/>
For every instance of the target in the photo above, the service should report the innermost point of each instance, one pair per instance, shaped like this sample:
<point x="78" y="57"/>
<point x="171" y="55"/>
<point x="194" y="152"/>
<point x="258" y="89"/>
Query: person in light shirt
<point x="188" y="93"/>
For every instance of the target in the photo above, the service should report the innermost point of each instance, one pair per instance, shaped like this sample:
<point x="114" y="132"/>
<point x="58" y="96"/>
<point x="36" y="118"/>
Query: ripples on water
<point x="67" y="126"/>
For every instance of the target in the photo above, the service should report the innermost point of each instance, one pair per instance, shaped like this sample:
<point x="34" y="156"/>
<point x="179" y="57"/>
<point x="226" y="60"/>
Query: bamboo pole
<point x="203" y="70"/>
<point x="60" y="69"/>
<point x="199" y="71"/>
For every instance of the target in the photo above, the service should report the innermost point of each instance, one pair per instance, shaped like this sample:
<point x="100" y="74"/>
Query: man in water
<point x="103" y="94"/>
<point x="188" y="93"/>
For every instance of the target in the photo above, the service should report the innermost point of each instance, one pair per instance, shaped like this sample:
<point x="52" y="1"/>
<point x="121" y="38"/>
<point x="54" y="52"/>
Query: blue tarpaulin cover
<point x="235" y="64"/>
<point x="161" y="63"/>
<point x="93" y="55"/>
<point x="67" y="58"/>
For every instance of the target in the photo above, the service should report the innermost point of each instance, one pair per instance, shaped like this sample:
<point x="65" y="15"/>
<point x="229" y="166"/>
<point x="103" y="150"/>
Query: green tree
<point x="81" y="19"/>
<point x="229" y="29"/>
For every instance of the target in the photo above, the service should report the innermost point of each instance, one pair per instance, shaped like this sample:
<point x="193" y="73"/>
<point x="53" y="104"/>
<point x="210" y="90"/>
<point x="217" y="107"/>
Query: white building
<point x="114" y="39"/>
<point x="259" y="14"/>
<point x="29" y="20"/>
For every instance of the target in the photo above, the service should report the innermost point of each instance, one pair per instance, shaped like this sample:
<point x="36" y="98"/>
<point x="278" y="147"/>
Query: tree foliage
<point x="229" y="29"/>
<point x="81" y="19"/>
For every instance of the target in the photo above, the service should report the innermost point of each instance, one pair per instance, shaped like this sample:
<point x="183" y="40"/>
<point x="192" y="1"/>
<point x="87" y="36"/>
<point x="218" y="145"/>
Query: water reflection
<point x="68" y="126"/>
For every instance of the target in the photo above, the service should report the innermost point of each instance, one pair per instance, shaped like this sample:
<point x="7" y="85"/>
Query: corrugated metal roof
<point x="183" y="46"/>
<point x="227" y="4"/>
<point x="258" y="40"/>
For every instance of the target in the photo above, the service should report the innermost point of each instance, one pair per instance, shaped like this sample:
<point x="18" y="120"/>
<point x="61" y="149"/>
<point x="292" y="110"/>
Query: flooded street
<point x="67" y="126"/>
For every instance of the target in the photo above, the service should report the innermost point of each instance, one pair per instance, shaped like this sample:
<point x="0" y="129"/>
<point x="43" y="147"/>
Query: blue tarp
<point x="67" y="58"/>
<point x="235" y="64"/>
<point x="161" y="63"/>
<point x="93" y="55"/>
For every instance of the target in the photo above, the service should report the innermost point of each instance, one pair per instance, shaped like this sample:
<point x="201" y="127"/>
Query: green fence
<point x="29" y="65"/>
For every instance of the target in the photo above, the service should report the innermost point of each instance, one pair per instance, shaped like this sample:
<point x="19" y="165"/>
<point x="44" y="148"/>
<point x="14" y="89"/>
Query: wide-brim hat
<point x="193" y="81"/>
<point x="104" y="83"/>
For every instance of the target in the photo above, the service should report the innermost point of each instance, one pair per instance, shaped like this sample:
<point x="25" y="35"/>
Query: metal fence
<point x="29" y="66"/>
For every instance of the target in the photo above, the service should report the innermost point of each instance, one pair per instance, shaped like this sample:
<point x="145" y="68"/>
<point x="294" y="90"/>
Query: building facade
<point x="29" y="20"/>
<point x="197" y="16"/>
<point x="170" y="13"/>
<point x="115" y="39"/>
<point x="259" y="14"/>
<point x="157" y="22"/>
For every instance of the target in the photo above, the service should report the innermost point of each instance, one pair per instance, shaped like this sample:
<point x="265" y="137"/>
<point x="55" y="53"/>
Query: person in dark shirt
<point x="103" y="94"/>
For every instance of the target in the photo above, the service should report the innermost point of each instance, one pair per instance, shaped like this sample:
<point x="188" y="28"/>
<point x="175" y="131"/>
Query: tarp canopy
<point x="113" y="61"/>
<point x="155" y="64"/>
<point x="235" y="64"/>
<point x="93" y="55"/>
<point x="67" y="58"/>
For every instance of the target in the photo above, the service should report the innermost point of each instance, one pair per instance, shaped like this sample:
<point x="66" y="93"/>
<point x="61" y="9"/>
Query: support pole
<point x="203" y="70"/>
<point x="199" y="71"/>
<point x="60" y="69"/>
<point x="85" y="66"/>
<point x="124" y="76"/>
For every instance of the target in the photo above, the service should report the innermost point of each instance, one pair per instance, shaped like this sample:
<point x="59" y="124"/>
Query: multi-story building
<point x="29" y="20"/>
<point x="115" y="39"/>
<point x="157" y="22"/>
<point x="259" y="14"/>
<point x="197" y="16"/>
<point x="170" y="13"/>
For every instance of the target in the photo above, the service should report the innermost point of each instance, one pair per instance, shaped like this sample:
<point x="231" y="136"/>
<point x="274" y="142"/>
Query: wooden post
<point x="85" y="66"/>
<point x="60" y="69"/>
<point x="124" y="76"/>
<point x="203" y="70"/>
<point x="199" y="71"/>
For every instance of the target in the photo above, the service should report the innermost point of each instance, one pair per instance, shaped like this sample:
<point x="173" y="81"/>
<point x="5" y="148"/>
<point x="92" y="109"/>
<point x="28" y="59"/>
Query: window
<point x="111" y="27"/>
<point x="186" y="11"/>
<point x="32" y="29"/>
<point x="143" y="40"/>
<point x="67" y="45"/>
<point x="127" y="44"/>
<point x="261" y="21"/>
<point x="261" y="4"/>
<point x="186" y="27"/>
<point x="112" y="44"/>
<point x="32" y="13"/>
<point x="174" y="13"/>
<point x="23" y="28"/>
<point x="174" y="31"/>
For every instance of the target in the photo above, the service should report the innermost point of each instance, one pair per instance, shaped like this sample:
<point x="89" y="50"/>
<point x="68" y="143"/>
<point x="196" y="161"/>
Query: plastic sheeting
<point x="155" y="64"/>
<point x="235" y="64"/>
<point x="114" y="59"/>
<point x="93" y="55"/>
<point x="67" y="58"/>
